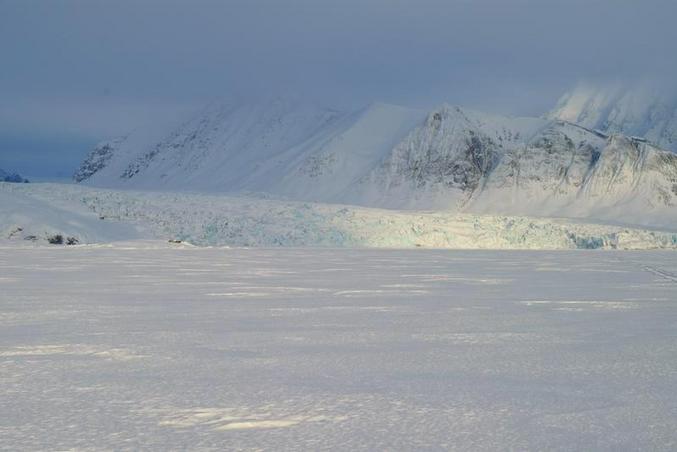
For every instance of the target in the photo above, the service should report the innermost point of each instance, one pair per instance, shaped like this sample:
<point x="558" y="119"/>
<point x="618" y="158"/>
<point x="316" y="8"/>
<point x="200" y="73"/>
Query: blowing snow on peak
<point x="642" y="110"/>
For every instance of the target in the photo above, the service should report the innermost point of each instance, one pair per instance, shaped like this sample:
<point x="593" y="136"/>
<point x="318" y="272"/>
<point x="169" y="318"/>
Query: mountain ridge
<point x="450" y="158"/>
<point x="640" y="110"/>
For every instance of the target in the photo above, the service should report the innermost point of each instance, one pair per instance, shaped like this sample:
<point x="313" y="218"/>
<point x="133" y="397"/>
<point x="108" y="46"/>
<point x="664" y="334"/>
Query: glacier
<point x="39" y="211"/>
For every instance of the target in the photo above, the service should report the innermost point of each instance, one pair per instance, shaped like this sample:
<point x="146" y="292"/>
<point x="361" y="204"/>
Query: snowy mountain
<point x="567" y="170"/>
<point x="642" y="110"/>
<point x="445" y="161"/>
<point x="217" y="149"/>
<point x="11" y="177"/>
<point x="388" y="156"/>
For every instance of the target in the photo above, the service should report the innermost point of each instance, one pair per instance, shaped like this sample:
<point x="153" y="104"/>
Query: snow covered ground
<point x="148" y="345"/>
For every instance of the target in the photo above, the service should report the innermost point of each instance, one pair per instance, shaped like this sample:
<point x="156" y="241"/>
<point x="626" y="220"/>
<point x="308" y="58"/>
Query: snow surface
<point x="96" y="216"/>
<point x="151" y="346"/>
<point x="23" y="217"/>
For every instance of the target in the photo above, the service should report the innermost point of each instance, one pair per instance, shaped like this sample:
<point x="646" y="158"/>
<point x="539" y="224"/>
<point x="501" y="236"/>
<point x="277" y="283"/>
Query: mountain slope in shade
<point x="11" y="177"/>
<point x="217" y="149"/>
<point x="98" y="159"/>
<point x="388" y="156"/>
<point x="327" y="166"/>
<point x="642" y="111"/>
<point x="445" y="160"/>
<point x="464" y="160"/>
<point x="560" y="173"/>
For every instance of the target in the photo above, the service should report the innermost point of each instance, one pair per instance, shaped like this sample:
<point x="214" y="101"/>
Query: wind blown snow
<point x="164" y="347"/>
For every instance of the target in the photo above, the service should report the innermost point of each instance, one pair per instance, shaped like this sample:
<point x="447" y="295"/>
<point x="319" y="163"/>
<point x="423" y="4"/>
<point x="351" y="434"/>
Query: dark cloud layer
<point x="89" y="69"/>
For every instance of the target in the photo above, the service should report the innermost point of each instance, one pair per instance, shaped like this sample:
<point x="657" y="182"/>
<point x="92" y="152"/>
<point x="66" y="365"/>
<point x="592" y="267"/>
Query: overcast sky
<point x="75" y="72"/>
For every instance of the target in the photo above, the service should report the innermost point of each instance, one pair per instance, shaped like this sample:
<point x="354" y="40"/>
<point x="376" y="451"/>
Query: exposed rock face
<point x="553" y="160"/>
<point x="445" y="160"/>
<point x="466" y="160"/>
<point x="561" y="172"/>
<point x="97" y="159"/>
<point x="447" y="150"/>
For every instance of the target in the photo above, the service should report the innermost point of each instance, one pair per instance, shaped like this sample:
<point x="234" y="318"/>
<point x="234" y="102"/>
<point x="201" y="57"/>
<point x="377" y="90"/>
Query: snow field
<point x="154" y="346"/>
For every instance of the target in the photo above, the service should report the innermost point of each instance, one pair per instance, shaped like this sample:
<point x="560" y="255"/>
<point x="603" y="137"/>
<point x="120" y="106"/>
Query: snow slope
<point x="214" y="219"/>
<point x="451" y="159"/>
<point x="641" y="110"/>
<point x="27" y="219"/>
<point x="133" y="348"/>
<point x="216" y="149"/>
<point x="327" y="166"/>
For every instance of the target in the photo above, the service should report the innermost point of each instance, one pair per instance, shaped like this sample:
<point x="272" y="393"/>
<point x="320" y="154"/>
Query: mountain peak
<point x="640" y="110"/>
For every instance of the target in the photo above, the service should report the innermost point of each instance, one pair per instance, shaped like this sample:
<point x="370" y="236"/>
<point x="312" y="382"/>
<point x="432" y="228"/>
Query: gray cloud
<point x="88" y="69"/>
